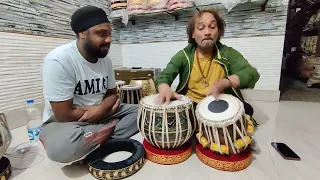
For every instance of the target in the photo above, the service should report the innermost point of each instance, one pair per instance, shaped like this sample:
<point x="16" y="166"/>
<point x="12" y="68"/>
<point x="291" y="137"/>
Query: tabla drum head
<point x="151" y="102"/>
<point x="224" y="111"/>
<point x="120" y="82"/>
<point x="131" y="87"/>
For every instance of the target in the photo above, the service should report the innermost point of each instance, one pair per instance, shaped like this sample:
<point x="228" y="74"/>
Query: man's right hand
<point x="166" y="94"/>
<point x="90" y="113"/>
<point x="115" y="108"/>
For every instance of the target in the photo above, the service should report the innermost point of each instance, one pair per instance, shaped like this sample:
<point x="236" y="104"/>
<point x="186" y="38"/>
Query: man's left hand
<point x="218" y="88"/>
<point x="92" y="113"/>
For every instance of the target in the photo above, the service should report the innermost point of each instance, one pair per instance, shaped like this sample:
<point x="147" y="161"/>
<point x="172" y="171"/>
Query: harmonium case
<point x="126" y="74"/>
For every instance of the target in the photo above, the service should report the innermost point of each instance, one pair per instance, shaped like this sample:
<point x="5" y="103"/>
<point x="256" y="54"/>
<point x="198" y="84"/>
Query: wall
<point x="29" y="29"/>
<point x="263" y="52"/>
<point x="21" y="58"/>
<point x="42" y="17"/>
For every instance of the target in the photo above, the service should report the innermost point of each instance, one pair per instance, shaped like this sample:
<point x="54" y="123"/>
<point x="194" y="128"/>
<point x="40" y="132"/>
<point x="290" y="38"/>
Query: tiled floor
<point x="296" y="90"/>
<point x="294" y="123"/>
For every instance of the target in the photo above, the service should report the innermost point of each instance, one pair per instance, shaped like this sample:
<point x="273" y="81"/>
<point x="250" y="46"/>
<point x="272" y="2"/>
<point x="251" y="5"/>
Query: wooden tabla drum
<point x="224" y="133"/>
<point x="119" y="84"/>
<point x="131" y="94"/>
<point x="167" y="129"/>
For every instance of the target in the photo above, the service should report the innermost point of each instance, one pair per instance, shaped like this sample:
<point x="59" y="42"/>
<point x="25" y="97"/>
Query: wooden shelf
<point x="299" y="19"/>
<point x="311" y="31"/>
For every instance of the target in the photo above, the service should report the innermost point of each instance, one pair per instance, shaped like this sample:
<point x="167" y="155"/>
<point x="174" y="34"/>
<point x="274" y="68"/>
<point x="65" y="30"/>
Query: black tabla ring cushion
<point x="5" y="168"/>
<point x="116" y="170"/>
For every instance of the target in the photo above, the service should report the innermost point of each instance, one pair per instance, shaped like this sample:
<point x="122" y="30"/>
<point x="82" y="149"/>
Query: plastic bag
<point x="317" y="19"/>
<point x="118" y="4"/>
<point x="276" y="3"/>
<point x="311" y="66"/>
<point x="205" y="2"/>
<point x="315" y="79"/>
<point x="230" y="4"/>
<point x="309" y="44"/>
<point x="137" y="7"/>
<point x="157" y="5"/>
<point x="120" y="13"/>
<point x="307" y="67"/>
<point x="180" y="4"/>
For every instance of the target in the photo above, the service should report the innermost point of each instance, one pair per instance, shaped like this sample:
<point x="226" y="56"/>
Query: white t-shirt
<point x="66" y="75"/>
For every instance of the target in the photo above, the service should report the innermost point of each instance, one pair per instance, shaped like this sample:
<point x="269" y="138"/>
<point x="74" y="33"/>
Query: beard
<point x="206" y="43"/>
<point x="96" y="52"/>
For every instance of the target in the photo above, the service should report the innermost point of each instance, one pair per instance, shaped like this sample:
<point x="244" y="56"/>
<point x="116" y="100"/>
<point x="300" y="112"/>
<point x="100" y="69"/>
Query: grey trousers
<point x="68" y="142"/>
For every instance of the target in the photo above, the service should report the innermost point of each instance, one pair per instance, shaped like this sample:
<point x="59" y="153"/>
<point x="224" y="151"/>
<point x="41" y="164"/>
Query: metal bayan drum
<point x="166" y="126"/>
<point x="222" y="126"/>
<point x="225" y="131"/>
<point x="148" y="86"/>
<point x="5" y="140"/>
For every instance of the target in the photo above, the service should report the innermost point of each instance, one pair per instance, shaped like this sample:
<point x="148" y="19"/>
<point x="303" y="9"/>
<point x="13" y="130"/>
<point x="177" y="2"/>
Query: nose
<point x="207" y="31"/>
<point x="108" y="39"/>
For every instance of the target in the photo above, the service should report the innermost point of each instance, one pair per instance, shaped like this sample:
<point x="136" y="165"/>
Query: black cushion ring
<point x="5" y="168"/>
<point x="116" y="170"/>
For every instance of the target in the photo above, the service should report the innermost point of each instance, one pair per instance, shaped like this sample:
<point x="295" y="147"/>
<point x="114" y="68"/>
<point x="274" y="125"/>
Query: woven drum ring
<point x="224" y="133"/>
<point x="5" y="168"/>
<point x="168" y="156"/>
<point x="234" y="162"/>
<point x="116" y="170"/>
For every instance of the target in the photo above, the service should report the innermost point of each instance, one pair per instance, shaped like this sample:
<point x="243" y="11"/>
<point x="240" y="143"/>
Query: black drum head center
<point x="218" y="106"/>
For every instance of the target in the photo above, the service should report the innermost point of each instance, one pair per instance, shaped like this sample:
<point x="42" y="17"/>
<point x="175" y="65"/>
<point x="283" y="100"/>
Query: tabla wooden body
<point x="223" y="126"/>
<point x="166" y="126"/>
<point x="119" y="84"/>
<point x="131" y="94"/>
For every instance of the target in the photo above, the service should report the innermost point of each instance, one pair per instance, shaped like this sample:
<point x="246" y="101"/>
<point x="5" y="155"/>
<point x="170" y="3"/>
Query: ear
<point x="83" y="35"/>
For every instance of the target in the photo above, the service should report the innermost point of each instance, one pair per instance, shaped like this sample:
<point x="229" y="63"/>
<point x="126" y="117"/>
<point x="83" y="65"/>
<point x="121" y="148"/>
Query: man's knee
<point x="64" y="149"/>
<point x="127" y="126"/>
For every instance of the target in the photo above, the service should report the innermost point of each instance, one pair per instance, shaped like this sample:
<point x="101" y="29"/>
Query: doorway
<point x="300" y="74"/>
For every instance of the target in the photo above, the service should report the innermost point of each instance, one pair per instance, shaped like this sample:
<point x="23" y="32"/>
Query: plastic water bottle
<point x="34" y="122"/>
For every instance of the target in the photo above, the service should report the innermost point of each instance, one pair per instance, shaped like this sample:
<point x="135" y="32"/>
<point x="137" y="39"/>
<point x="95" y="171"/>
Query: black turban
<point x="87" y="17"/>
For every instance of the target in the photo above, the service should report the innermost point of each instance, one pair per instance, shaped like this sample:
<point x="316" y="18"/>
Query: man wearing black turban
<point x="82" y="108"/>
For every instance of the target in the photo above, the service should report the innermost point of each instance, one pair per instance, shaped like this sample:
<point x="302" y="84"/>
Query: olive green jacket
<point x="231" y="60"/>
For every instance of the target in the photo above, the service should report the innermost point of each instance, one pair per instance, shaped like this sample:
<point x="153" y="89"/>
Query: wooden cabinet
<point x="126" y="74"/>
